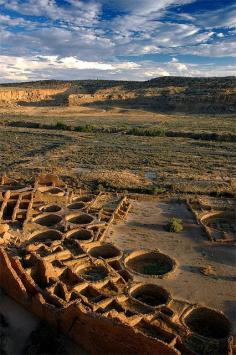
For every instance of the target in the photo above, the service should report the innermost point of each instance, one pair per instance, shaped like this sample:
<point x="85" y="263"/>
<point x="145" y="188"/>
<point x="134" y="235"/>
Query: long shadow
<point x="230" y="307"/>
<point x="166" y="104"/>
<point x="156" y="227"/>
<point x="198" y="270"/>
<point x="59" y="99"/>
<point x="62" y="98"/>
<point x="222" y="254"/>
<point x="163" y="103"/>
<point x="151" y="104"/>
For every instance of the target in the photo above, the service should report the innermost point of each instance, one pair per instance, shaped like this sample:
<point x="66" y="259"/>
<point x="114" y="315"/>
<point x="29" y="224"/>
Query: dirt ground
<point x="144" y="228"/>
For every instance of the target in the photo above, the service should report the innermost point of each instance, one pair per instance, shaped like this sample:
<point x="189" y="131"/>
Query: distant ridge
<point x="161" y="80"/>
<point x="163" y="94"/>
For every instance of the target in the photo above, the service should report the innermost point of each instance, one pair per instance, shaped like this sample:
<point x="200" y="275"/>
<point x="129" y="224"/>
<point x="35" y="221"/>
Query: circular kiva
<point x="81" y="218"/>
<point x="93" y="273"/>
<point x="47" y="220"/>
<point x="208" y="323"/>
<point x="76" y="206"/>
<point x="46" y="236"/>
<point x="105" y="251"/>
<point x="50" y="208"/>
<point x="220" y="221"/>
<point x="149" y="263"/>
<point x="85" y="198"/>
<point x="82" y="235"/>
<point x="150" y="294"/>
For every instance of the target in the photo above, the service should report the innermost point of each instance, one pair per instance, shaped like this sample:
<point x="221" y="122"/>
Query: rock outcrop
<point x="168" y="94"/>
<point x="11" y="96"/>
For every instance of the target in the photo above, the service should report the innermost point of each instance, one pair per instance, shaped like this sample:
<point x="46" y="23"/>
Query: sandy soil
<point x="190" y="248"/>
<point x="83" y="112"/>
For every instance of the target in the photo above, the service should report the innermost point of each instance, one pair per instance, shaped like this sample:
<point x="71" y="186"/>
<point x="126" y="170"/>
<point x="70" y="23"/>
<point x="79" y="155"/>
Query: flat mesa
<point x="64" y="258"/>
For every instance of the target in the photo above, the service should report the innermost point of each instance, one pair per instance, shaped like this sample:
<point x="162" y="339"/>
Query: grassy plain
<point x="179" y="164"/>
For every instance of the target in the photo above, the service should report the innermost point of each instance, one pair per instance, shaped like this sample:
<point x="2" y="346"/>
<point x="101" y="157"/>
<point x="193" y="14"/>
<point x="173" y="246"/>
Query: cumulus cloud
<point x="41" y="67"/>
<point x="155" y="73"/>
<point x="51" y="67"/>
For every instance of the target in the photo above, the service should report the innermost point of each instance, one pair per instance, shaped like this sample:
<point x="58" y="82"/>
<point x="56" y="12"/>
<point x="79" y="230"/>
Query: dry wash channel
<point x="55" y="262"/>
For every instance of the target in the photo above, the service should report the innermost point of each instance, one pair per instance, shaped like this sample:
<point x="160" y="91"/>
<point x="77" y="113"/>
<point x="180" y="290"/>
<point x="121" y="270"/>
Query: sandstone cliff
<point x="11" y="96"/>
<point x="201" y="95"/>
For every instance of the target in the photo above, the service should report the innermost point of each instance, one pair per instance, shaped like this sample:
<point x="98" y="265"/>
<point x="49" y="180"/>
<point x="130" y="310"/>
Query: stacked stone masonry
<point x="54" y="261"/>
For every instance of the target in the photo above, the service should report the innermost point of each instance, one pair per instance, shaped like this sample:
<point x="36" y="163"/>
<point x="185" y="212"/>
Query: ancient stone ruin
<point x="217" y="218"/>
<point x="54" y="261"/>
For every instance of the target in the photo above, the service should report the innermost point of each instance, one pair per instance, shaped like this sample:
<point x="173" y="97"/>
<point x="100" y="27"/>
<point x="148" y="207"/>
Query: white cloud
<point x="74" y="63"/>
<point x="150" y="49"/>
<point x="27" y="68"/>
<point x="180" y="67"/>
<point x="143" y="7"/>
<point x="8" y="21"/>
<point x="155" y="73"/>
<point x="76" y="40"/>
<point x="224" y="17"/>
<point x="217" y="49"/>
<point x="80" y="31"/>
<point x="79" y="12"/>
<point x="126" y="66"/>
<point x="51" y="67"/>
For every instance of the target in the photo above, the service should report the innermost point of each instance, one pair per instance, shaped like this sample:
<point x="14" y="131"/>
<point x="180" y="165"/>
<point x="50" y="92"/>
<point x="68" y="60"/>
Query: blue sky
<point x="116" y="39"/>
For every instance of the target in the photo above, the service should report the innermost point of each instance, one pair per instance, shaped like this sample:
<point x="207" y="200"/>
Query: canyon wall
<point x="13" y="96"/>
<point x="197" y="95"/>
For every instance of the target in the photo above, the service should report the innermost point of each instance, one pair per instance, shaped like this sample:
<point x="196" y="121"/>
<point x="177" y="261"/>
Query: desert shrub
<point x="156" y="190"/>
<point x="86" y="128"/>
<point x="61" y="125"/>
<point x="24" y="124"/>
<point x="174" y="225"/>
<point x="100" y="187"/>
<point x="148" y="132"/>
